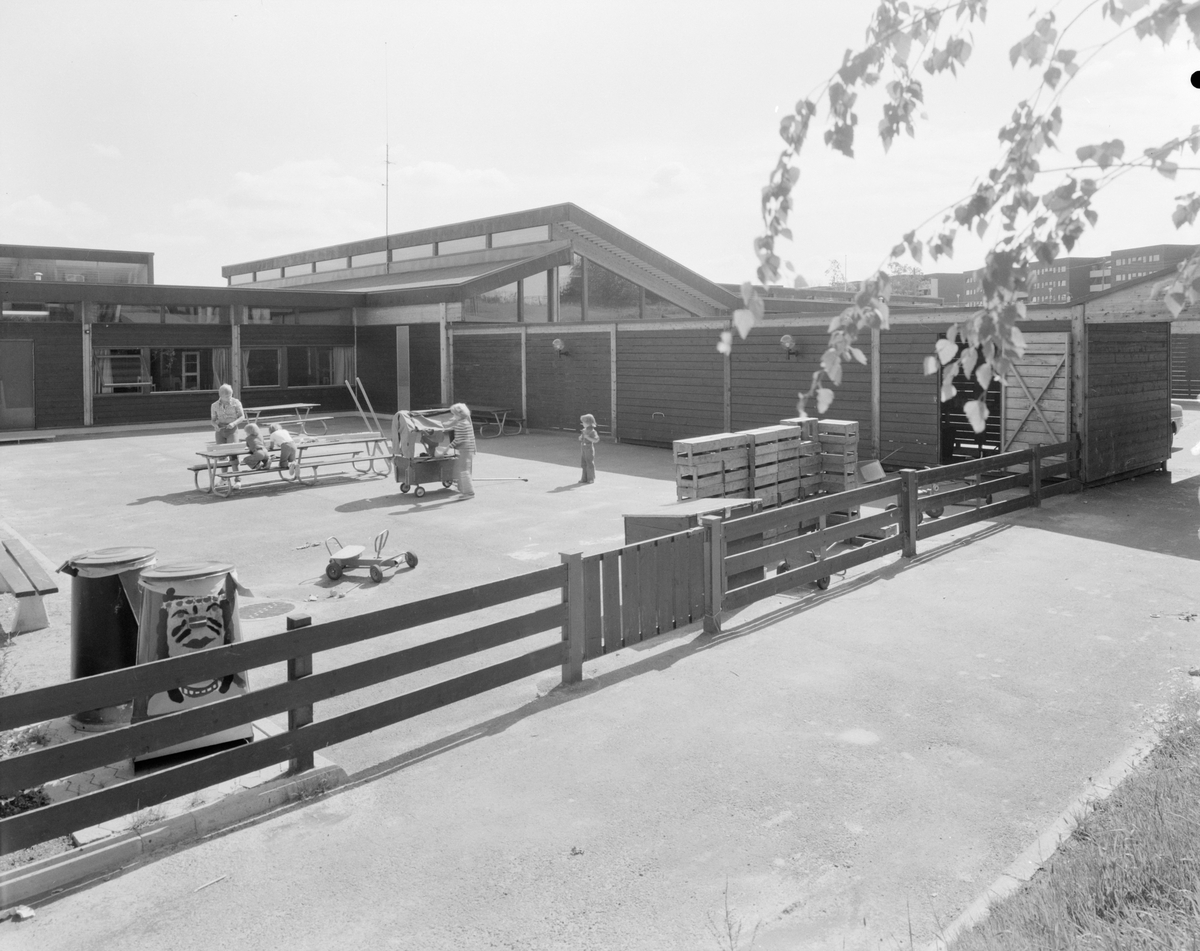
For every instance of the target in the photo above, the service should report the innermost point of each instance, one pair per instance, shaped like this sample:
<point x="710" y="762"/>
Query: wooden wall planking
<point x="561" y="389"/>
<point x="675" y="372"/>
<point x="425" y="365"/>
<point x="487" y="369"/>
<point x="908" y="417"/>
<point x="375" y="365"/>
<point x="1127" y="394"/>
<point x="57" y="371"/>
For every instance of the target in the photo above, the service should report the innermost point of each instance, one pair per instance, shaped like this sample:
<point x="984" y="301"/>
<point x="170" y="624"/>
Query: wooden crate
<point x="789" y="491"/>
<point x="839" y="461"/>
<point x="808" y="424"/>
<point x="689" y="449"/>
<point x="832" y="442"/>
<point x="837" y="427"/>
<point x="764" y="434"/>
<point x="809" y="447"/>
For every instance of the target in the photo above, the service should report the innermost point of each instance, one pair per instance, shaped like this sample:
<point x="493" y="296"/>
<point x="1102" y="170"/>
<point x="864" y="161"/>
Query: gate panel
<point x="1037" y="399"/>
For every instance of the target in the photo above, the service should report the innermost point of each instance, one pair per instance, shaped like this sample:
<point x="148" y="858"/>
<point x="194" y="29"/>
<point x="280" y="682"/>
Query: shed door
<point x="1037" y="399"/>
<point x="16" y="384"/>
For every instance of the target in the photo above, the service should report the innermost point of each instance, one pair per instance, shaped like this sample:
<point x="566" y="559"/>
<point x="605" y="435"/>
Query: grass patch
<point x="1128" y="878"/>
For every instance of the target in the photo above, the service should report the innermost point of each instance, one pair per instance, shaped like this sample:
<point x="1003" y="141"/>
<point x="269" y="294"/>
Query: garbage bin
<point x="187" y="607"/>
<point x="105" y="605"/>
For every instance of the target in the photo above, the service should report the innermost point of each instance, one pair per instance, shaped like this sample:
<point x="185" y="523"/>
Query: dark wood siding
<point x="765" y="382"/>
<point x="375" y="361"/>
<point x="487" y="369"/>
<point x="425" y="365"/>
<point x="1126" y="411"/>
<point x="332" y="399"/>
<point x="57" y="371"/>
<point x="111" y="409"/>
<point x="908" y="412"/>
<point x="677" y="373"/>
<point x="561" y="389"/>
<point x="1185" y="366"/>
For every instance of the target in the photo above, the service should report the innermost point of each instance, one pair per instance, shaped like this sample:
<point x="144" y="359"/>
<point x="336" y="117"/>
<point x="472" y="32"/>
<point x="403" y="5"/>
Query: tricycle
<point x="342" y="557"/>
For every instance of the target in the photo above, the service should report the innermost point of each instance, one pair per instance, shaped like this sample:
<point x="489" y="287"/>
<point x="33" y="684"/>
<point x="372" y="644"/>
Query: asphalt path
<point x="836" y="768"/>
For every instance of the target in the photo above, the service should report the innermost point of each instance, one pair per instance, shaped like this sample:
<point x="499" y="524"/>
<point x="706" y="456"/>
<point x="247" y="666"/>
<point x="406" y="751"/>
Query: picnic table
<point x="22" y="576"/>
<point x="297" y="413"/>
<point x="368" y="452"/>
<point x="497" y="416"/>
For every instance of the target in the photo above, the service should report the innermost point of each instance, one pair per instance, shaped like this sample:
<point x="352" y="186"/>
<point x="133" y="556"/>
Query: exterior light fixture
<point x="789" y="344"/>
<point x="559" y="347"/>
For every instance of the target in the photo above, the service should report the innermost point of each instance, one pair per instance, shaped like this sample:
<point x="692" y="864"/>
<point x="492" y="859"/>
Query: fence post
<point x="910" y="512"/>
<point x="298" y="667"/>
<point x="714" y="571"/>
<point x="1035" y="475"/>
<point x="572" y="667"/>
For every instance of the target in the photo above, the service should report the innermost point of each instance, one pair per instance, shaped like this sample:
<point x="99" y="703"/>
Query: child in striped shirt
<point x="464" y="444"/>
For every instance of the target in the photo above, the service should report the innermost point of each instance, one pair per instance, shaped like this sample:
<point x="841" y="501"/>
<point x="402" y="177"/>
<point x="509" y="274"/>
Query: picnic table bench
<point x="366" y="453"/>
<point x="22" y="576"/>
<point x="485" y="416"/>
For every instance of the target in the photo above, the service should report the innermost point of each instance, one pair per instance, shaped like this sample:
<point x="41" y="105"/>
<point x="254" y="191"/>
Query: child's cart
<point x="421" y="452"/>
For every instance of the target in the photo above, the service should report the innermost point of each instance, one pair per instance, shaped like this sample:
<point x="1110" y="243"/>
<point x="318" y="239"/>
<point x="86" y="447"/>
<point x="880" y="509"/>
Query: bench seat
<point x="314" y="458"/>
<point x="22" y="576"/>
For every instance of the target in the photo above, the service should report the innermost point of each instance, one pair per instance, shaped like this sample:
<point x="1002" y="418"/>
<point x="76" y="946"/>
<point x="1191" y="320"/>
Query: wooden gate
<point x="1037" y="400"/>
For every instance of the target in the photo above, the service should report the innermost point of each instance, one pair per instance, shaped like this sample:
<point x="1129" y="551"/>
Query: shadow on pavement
<point x="563" y="449"/>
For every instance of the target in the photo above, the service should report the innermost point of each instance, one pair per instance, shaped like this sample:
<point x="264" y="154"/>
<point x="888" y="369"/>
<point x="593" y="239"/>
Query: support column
<point x="552" y="296"/>
<point x="444" y="355"/>
<point x="727" y="398"/>
<point x="1077" y="360"/>
<point x="524" y="376"/>
<point x="88" y="383"/>
<point x="612" y="378"/>
<point x="876" y="427"/>
<point x="237" y="315"/>
<point x="583" y="297"/>
<point x="403" y="369"/>
<point x="520" y="298"/>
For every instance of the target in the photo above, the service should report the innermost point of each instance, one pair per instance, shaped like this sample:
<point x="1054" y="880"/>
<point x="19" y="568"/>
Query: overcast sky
<point x="217" y="132"/>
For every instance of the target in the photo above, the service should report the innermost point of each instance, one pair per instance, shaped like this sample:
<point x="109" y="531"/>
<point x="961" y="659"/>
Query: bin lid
<point x="185" y="571"/>
<point x="109" y="561"/>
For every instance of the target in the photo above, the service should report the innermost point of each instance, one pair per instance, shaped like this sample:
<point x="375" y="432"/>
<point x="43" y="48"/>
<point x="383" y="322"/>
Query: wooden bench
<point x="223" y="485"/>
<point x="22" y="576"/>
<point x="290" y="421"/>
<point x="363" y="451"/>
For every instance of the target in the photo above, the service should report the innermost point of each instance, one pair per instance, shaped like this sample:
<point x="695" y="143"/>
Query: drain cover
<point x="252" y="612"/>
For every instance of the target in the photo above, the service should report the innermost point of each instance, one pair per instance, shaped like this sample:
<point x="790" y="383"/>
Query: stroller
<point x="421" y="451"/>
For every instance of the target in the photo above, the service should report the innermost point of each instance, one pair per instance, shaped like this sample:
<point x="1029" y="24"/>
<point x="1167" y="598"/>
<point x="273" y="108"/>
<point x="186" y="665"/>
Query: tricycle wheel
<point x="333" y="571"/>
<point x="376" y="574"/>
<point x="419" y="491"/>
<point x="446" y="485"/>
<point x="404" y="486"/>
<point x="823" y="583"/>
<point x="410" y="559"/>
<point x="937" y="511"/>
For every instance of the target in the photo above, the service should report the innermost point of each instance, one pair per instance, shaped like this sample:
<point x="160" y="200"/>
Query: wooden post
<point x="298" y="667"/>
<point x="714" y="571"/>
<point x="572" y="667"/>
<point x="1035" y="475"/>
<point x="727" y="395"/>
<point x="876" y="385"/>
<point x="909" y="510"/>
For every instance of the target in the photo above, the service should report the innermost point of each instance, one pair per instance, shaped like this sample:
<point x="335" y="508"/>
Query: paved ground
<point x="842" y="765"/>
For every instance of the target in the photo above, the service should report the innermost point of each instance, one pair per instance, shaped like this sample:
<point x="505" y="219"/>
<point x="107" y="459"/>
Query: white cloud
<point x="36" y="220"/>
<point x="672" y="180"/>
<point x="106" y="151"/>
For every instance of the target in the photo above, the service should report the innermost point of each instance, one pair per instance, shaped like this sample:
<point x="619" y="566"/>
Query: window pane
<point x="500" y="304"/>
<point x="610" y="296"/>
<point x="412" y="253"/>
<point x="36" y="311"/>
<point x="331" y="264"/>
<point x="260" y="367"/>
<point x="320" y="366"/>
<point x="502" y="239"/>
<point x="124" y="314"/>
<point x="117" y="370"/>
<point x="474" y="243"/>
<point x="246" y="278"/>
<point x="369" y="258"/>
<point x="570" y="291"/>
<point x="176" y="314"/>
<point x="270" y="315"/>
<point x="535" y="303"/>
<point x="657" y="307"/>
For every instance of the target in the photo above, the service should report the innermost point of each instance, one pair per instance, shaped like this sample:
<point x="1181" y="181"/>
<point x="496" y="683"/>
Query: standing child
<point x="256" y="457"/>
<point x="587" y="442"/>
<point x="281" y="441"/>
<point x="464" y="446"/>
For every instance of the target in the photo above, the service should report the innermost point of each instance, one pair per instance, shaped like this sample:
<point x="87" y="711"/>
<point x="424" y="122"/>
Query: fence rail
<point x="608" y="600"/>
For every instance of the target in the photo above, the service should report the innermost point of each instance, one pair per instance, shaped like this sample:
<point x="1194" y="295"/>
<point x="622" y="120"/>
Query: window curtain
<point x="220" y="366"/>
<point x="144" y="373"/>
<point x="102" y="378"/>
<point x="343" y="365"/>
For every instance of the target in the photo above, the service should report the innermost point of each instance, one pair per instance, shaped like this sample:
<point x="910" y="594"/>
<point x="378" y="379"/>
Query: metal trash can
<point x="105" y="607"/>
<point x="187" y="607"/>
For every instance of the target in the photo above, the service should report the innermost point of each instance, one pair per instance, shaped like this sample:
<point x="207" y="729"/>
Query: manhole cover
<point x="252" y="612"/>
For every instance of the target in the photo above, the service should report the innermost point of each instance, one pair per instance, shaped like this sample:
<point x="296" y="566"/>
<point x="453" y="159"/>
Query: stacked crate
<point x="839" y="454"/>
<point x="775" y="463"/>
<point x="712" y="466"/>
<point x="812" y="479"/>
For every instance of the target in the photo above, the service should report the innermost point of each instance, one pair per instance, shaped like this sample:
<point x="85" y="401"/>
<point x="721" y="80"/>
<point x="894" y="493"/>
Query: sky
<point x="212" y="133"/>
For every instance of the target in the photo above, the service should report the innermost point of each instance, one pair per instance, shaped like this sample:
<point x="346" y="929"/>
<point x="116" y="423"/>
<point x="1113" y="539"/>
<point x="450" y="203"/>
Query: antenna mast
<point x="387" y="257"/>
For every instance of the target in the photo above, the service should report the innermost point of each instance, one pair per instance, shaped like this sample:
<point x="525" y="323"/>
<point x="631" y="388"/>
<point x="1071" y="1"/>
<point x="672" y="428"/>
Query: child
<point x="281" y="441"/>
<point x="464" y="446"/>
<point x="257" y="450"/>
<point x="587" y="441"/>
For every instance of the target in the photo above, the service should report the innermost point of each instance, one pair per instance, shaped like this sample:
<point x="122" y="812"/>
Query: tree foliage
<point x="1029" y="225"/>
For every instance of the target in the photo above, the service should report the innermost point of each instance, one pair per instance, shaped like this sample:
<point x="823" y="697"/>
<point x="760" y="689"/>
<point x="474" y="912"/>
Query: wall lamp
<point x="789" y="344"/>
<point x="559" y="347"/>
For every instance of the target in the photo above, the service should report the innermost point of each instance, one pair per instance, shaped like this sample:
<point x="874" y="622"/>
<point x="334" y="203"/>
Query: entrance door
<point x="1037" y="399"/>
<point x="16" y="384"/>
<point x="958" y="440"/>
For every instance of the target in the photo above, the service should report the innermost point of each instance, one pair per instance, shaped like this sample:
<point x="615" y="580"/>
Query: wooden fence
<point x="796" y="539"/>
<point x="296" y="695"/>
<point x="608" y="600"/>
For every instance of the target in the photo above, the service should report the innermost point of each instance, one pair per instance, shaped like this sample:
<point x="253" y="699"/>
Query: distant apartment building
<point x="1061" y="282"/>
<point x="973" y="287"/>
<point x="949" y="287"/>
<point x="1131" y="263"/>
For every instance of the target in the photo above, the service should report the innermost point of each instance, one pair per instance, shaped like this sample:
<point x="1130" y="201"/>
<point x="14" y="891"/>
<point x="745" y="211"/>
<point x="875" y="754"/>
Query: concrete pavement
<point x="842" y="765"/>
